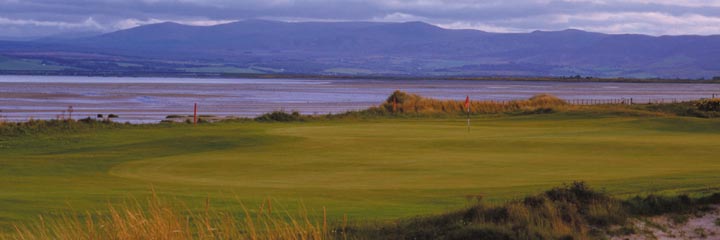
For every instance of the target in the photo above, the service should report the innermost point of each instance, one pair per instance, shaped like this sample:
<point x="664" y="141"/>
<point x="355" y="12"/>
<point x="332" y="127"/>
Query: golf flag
<point x="467" y="106"/>
<point x="467" y="103"/>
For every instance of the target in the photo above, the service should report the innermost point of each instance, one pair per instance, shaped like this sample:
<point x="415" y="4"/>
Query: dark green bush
<point x="31" y="127"/>
<point x="709" y="105"/>
<point x="657" y="204"/>
<point x="281" y="116"/>
<point x="689" y="109"/>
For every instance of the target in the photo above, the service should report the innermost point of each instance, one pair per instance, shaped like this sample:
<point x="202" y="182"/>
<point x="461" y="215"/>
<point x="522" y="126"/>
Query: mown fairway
<point x="367" y="169"/>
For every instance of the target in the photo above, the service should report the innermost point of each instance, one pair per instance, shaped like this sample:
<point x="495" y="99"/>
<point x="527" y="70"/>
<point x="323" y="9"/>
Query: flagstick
<point x="467" y="105"/>
<point x="468" y="120"/>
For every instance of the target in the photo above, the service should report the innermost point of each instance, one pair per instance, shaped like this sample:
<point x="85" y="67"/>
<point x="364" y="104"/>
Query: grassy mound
<point x="401" y="102"/>
<point x="570" y="212"/>
<point x="573" y="211"/>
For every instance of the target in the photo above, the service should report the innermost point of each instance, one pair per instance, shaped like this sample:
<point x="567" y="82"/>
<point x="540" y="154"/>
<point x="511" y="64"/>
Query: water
<point x="142" y="100"/>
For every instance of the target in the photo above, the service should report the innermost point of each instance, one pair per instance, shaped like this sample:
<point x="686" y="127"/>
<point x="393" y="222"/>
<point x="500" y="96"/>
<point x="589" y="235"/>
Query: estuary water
<point x="147" y="100"/>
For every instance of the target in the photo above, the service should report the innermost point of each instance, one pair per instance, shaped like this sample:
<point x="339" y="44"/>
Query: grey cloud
<point x="22" y="18"/>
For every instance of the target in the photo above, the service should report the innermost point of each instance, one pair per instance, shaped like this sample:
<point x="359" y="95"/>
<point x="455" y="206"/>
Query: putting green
<point x="370" y="169"/>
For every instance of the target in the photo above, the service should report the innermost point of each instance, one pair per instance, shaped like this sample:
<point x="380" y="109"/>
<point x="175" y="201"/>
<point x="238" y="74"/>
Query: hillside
<point x="377" y="48"/>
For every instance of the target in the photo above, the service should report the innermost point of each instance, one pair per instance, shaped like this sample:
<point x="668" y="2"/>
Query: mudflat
<point x="146" y="100"/>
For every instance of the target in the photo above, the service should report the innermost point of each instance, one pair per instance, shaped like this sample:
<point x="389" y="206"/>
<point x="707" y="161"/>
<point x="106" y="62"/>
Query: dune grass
<point x="168" y="220"/>
<point x="401" y="102"/>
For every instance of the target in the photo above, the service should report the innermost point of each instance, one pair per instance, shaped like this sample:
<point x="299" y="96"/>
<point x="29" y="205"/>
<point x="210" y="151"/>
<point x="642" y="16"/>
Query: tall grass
<point x="405" y="104"/>
<point x="160" y="220"/>
<point x="401" y="102"/>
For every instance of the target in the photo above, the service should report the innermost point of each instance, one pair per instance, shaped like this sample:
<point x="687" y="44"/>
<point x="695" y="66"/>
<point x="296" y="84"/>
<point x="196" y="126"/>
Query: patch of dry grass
<point x="401" y="102"/>
<point x="160" y="220"/>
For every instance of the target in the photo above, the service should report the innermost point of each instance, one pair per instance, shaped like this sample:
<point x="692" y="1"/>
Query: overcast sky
<point x="33" y="18"/>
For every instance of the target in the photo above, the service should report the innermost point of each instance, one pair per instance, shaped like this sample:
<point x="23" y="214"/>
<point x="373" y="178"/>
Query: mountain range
<point x="366" y="48"/>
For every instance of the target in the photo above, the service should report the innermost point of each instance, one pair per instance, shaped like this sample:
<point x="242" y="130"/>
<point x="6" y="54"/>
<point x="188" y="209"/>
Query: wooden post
<point x="195" y="115"/>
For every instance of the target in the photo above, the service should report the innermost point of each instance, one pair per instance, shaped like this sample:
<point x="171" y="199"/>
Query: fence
<point x="627" y="101"/>
<point x="630" y="101"/>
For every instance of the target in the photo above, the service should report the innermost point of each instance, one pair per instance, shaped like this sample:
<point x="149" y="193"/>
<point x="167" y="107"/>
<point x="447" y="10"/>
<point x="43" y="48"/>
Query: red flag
<point x="467" y="103"/>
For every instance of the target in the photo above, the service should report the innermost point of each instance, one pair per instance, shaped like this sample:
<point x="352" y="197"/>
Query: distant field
<point x="367" y="169"/>
<point x="220" y="70"/>
<point x="28" y="65"/>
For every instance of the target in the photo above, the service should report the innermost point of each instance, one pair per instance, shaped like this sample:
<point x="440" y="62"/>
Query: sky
<point x="26" y="19"/>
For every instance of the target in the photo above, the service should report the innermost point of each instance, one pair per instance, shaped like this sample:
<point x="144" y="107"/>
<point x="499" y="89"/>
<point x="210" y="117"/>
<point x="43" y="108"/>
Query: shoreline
<point x="147" y="99"/>
<point x="355" y="77"/>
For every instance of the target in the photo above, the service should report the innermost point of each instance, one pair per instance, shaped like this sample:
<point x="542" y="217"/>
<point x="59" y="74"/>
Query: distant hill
<point x="367" y="48"/>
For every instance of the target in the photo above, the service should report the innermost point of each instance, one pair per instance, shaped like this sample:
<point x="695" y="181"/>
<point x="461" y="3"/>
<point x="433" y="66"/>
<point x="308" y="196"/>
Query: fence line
<point x="631" y="101"/>
<point x="626" y="101"/>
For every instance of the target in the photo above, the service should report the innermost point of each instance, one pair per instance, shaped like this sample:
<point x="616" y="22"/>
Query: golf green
<point x="367" y="169"/>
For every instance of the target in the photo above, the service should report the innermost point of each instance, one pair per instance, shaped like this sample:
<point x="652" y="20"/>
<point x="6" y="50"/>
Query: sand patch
<point x="702" y="226"/>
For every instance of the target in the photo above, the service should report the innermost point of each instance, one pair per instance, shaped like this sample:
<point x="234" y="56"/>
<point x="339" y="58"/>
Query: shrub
<point x="709" y="105"/>
<point x="280" y="116"/>
<point x="655" y="204"/>
<point x="32" y="127"/>
<point x="175" y="116"/>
